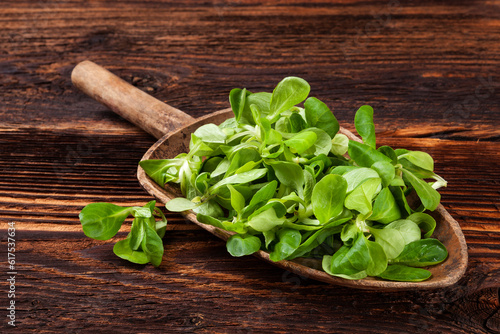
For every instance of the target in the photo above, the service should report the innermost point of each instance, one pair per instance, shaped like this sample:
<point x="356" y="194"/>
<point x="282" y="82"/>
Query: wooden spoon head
<point x="447" y="231"/>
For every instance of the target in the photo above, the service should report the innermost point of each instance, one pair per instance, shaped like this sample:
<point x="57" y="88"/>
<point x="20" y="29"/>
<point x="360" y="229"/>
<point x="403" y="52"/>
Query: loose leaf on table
<point x="419" y="159"/>
<point x="328" y="197"/>
<point x="391" y="241"/>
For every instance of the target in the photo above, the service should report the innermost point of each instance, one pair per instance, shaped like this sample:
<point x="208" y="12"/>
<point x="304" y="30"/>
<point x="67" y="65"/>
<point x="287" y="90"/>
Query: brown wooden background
<point x="430" y="69"/>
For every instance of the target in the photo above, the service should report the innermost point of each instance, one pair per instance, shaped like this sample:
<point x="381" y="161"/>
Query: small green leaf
<point x="210" y="133"/>
<point x="426" y="222"/>
<point x="244" y="177"/>
<point x="123" y="250"/>
<point x="265" y="220"/>
<point x="241" y="245"/>
<point x="408" y="229"/>
<point x="288" y="173"/>
<point x="363" y="121"/>
<point x="397" y="272"/>
<point x="391" y="241"/>
<point x="301" y="141"/>
<point x="237" y="99"/>
<point x="386" y="171"/>
<point x="102" y="221"/>
<point x="360" y="199"/>
<point x="422" y="253"/>
<point x="357" y="176"/>
<point x="328" y="197"/>
<point x="318" y="115"/>
<point x="152" y="246"/>
<point x="419" y="159"/>
<point x="340" y="143"/>
<point x="385" y="208"/>
<point x="365" y="155"/>
<point x="289" y="92"/>
<point x="136" y="233"/>
<point x="180" y="204"/>
<point x="237" y="199"/>
<point x="289" y="241"/>
<point x="429" y="196"/>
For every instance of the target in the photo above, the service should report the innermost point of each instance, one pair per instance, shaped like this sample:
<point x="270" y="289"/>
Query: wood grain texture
<point x="430" y="70"/>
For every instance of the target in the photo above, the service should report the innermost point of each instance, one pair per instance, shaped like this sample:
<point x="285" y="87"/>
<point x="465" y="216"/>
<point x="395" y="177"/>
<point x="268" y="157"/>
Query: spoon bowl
<point x="158" y="118"/>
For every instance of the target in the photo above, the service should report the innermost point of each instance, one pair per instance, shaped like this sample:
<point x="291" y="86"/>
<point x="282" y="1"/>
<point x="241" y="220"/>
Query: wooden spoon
<point x="173" y="128"/>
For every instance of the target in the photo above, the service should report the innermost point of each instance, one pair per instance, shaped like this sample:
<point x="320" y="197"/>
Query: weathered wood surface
<point x="430" y="70"/>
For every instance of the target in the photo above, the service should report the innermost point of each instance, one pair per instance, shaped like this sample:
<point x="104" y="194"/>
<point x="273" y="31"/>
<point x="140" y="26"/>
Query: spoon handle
<point x="136" y="106"/>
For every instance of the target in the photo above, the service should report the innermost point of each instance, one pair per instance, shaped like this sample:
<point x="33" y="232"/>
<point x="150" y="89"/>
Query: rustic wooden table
<point x="430" y="69"/>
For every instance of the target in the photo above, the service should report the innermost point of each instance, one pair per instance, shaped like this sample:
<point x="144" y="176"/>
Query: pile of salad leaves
<point x="282" y="179"/>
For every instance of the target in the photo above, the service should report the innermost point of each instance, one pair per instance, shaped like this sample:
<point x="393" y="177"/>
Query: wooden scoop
<point x="173" y="128"/>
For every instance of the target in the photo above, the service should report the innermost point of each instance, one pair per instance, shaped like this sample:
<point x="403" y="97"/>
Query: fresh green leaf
<point x="180" y="204"/>
<point x="340" y="143"/>
<point x="357" y="176"/>
<point x="360" y="199"/>
<point x="408" y="229"/>
<point x="289" y="241"/>
<point x="365" y="155"/>
<point x="391" y="240"/>
<point x="123" y="250"/>
<point x="425" y="222"/>
<point x="318" y="115"/>
<point x="419" y="159"/>
<point x="241" y="245"/>
<point x="385" y="208"/>
<point x="301" y="141"/>
<point x="363" y="121"/>
<point x="102" y="221"/>
<point x="422" y="253"/>
<point x="328" y="197"/>
<point x="385" y="170"/>
<point x="265" y="220"/>
<point x="397" y="272"/>
<point x="152" y="246"/>
<point x="429" y="196"/>
<point x="237" y="99"/>
<point x="289" y="92"/>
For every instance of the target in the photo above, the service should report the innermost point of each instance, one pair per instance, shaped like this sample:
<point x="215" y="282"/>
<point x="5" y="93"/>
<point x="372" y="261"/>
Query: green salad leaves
<point x="282" y="179"/>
